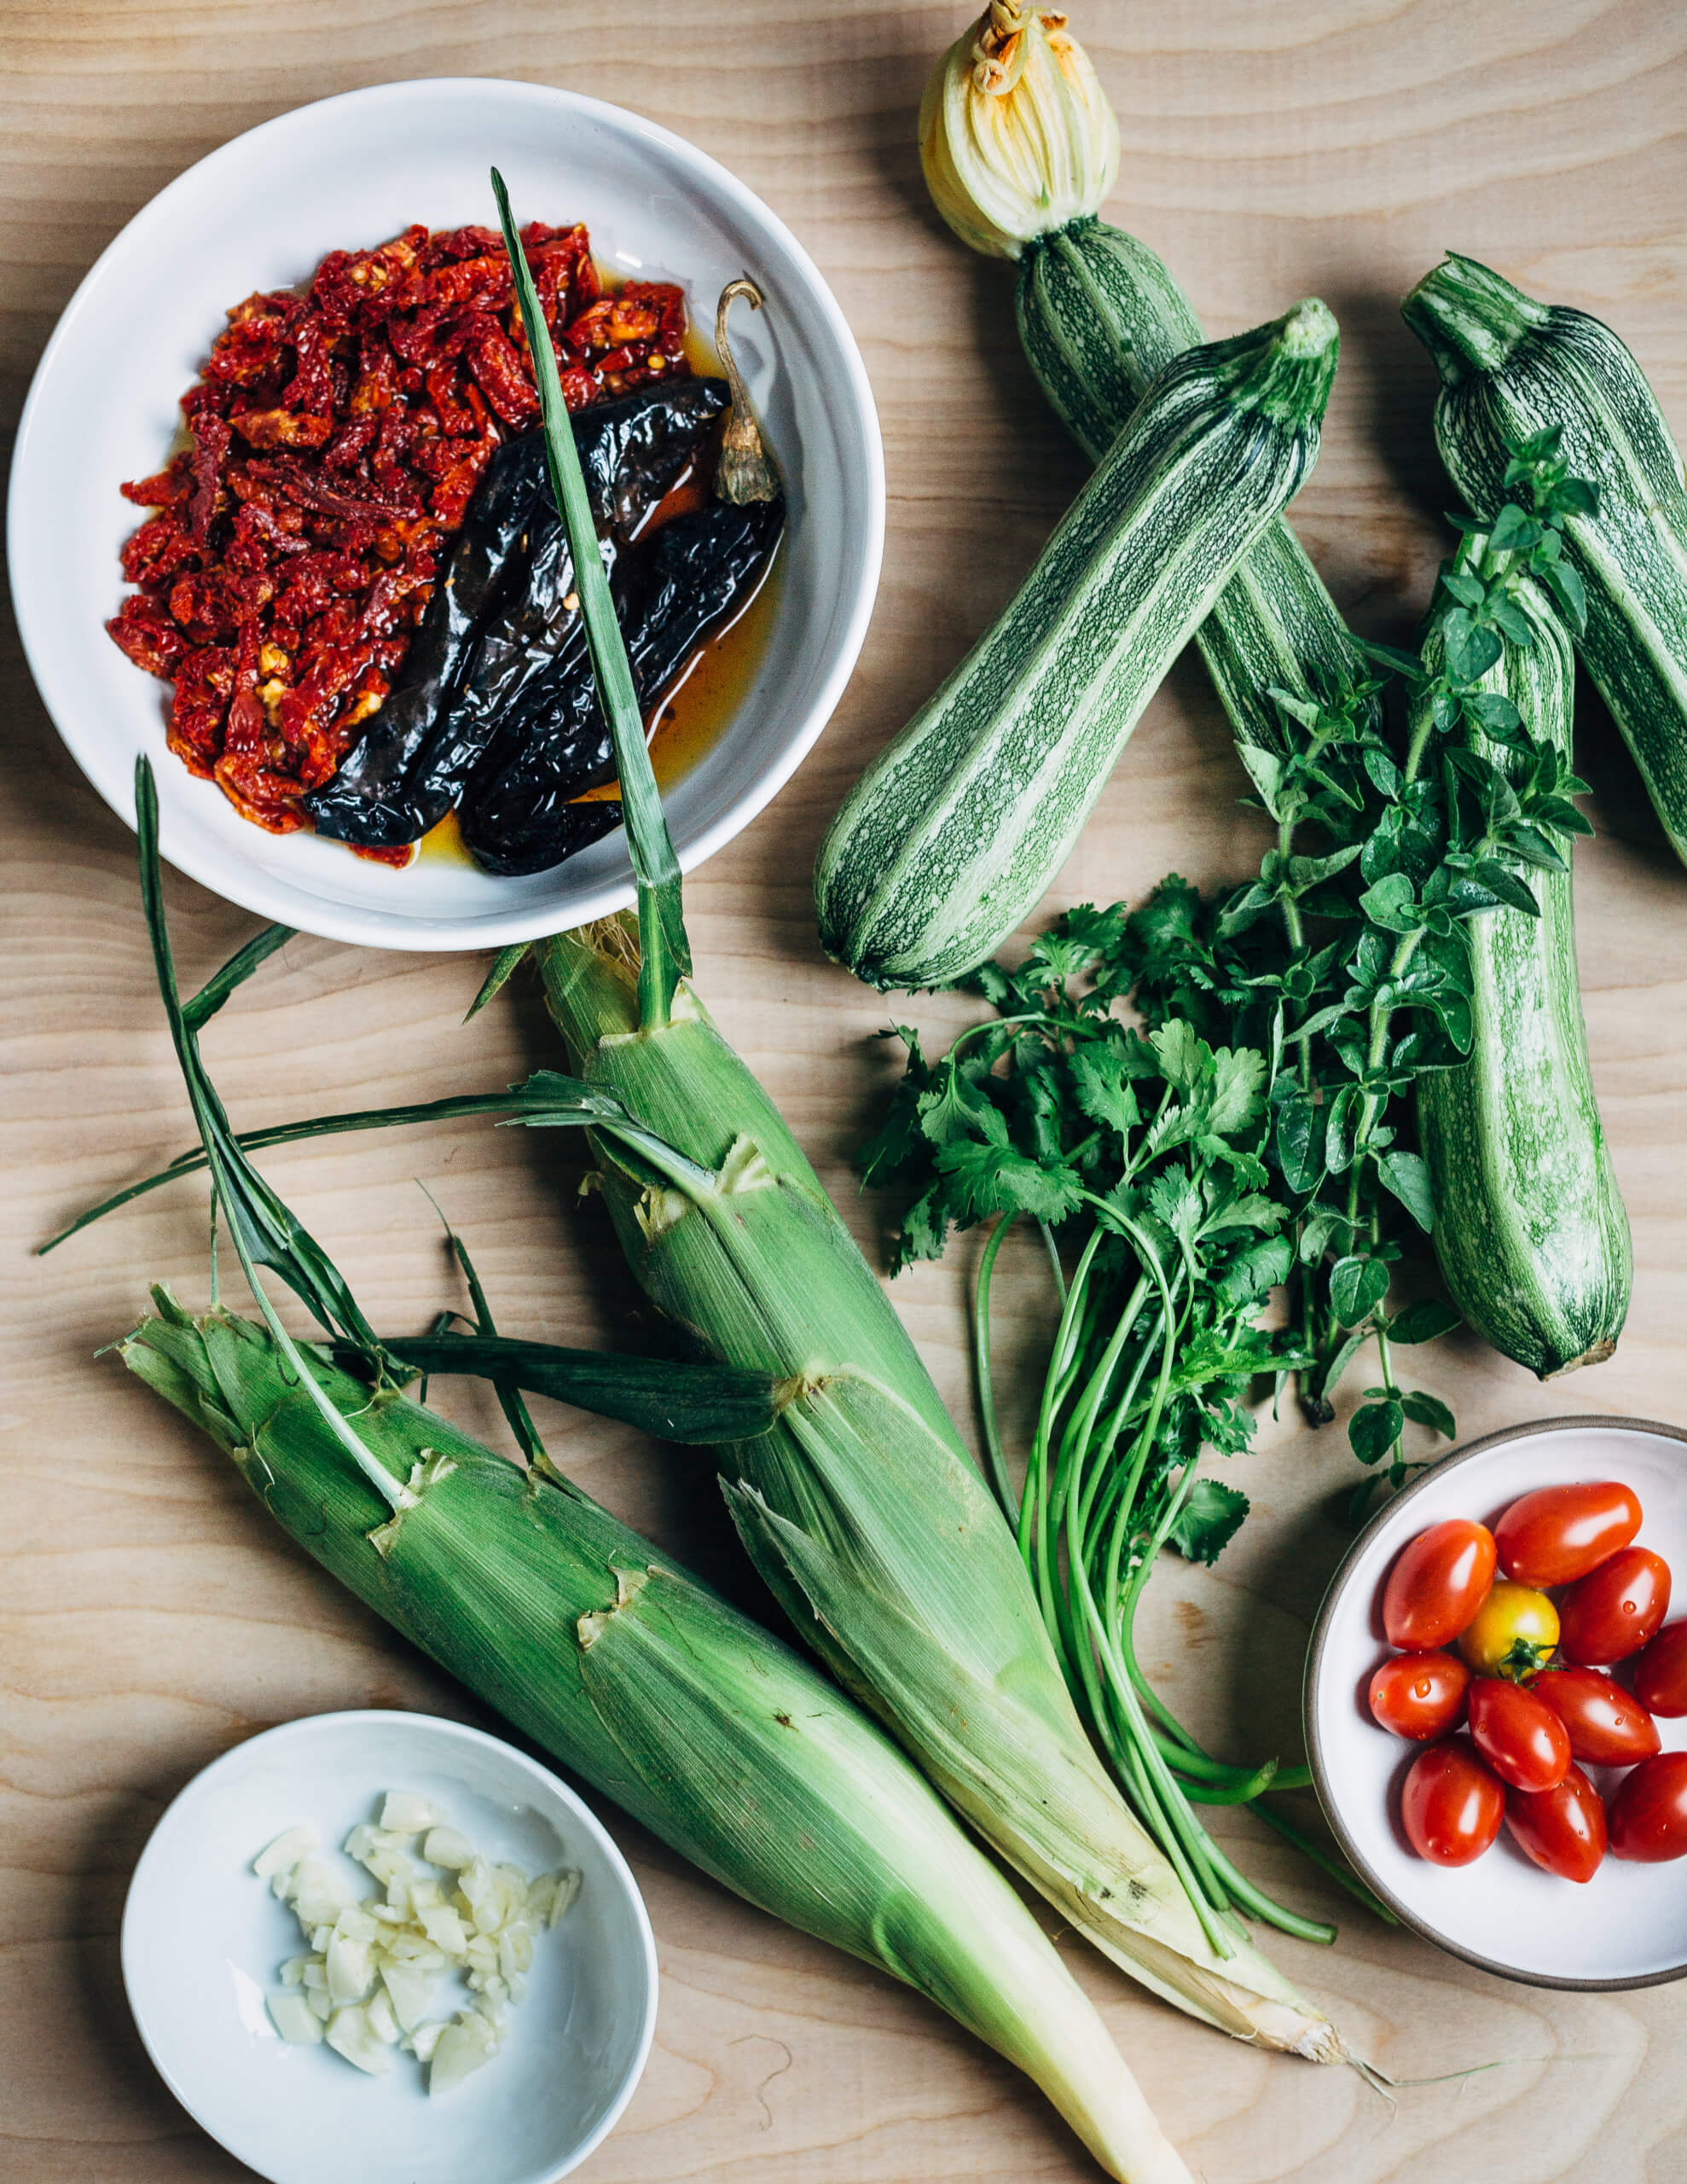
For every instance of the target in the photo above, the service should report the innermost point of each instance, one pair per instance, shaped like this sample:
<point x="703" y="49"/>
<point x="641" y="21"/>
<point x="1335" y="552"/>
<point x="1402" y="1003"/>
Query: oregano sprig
<point x="1475" y="803"/>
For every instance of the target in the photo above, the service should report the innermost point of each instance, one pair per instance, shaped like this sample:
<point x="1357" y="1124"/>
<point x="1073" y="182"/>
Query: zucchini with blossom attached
<point x="1020" y="147"/>
<point x="1512" y="370"/>
<point x="952" y="835"/>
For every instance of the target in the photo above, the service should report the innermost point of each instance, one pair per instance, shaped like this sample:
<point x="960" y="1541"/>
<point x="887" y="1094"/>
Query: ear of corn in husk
<point x="716" y="1736"/>
<point x="862" y="1509"/>
<point x="861" y="1506"/>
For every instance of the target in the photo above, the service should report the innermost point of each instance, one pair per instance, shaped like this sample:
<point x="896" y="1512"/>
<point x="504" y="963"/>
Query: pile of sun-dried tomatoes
<point x="338" y="437"/>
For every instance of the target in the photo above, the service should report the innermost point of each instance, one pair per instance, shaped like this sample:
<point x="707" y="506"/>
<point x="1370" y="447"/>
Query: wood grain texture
<point x="148" y="1619"/>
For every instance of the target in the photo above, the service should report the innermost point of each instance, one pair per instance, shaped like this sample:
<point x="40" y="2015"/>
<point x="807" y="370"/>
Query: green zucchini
<point x="1099" y="314"/>
<point x="1529" y="1226"/>
<point x="1512" y="367"/>
<point x="951" y="837"/>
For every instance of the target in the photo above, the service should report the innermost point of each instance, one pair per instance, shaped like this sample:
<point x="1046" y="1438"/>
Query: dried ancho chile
<point x="516" y="814"/>
<point x="505" y="609"/>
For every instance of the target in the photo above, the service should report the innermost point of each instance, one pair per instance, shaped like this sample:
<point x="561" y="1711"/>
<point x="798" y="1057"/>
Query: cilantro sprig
<point x="1250" y="1132"/>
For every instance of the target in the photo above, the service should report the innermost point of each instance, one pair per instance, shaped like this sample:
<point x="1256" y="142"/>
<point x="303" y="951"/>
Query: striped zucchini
<point x="1511" y="367"/>
<point x="1099" y="314"/>
<point x="951" y="837"/>
<point x="1530" y="1228"/>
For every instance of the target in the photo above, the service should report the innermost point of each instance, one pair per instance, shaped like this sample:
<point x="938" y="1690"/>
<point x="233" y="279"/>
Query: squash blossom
<point x="1016" y="135"/>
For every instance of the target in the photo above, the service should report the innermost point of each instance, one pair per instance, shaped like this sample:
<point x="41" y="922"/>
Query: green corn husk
<point x="715" y="1734"/>
<point x="861" y="1506"/>
<point x="862" y="1509"/>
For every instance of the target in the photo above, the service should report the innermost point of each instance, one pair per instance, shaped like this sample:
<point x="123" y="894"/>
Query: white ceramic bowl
<point x="1627" y="1926"/>
<point x="203" y="1940"/>
<point x="348" y="172"/>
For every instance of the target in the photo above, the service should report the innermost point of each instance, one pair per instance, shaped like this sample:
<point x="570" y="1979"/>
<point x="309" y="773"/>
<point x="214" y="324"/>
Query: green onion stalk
<point x="860" y="1508"/>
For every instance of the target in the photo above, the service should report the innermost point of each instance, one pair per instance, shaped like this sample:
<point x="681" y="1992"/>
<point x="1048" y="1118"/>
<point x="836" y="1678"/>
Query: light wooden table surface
<point x="149" y="1617"/>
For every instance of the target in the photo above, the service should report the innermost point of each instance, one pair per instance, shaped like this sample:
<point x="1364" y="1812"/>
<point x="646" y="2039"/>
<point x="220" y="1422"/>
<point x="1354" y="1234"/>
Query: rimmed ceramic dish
<point x="260" y="213"/>
<point x="203" y="1940"/>
<point x="1627" y="1926"/>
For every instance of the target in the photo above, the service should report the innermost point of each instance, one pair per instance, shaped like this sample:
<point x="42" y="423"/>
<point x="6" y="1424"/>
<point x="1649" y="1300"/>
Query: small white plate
<point x="348" y="172"/>
<point x="203" y="1940"/>
<point x="1627" y="1926"/>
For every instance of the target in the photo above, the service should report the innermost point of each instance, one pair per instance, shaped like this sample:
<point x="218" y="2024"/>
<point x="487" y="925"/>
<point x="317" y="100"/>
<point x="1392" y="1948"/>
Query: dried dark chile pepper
<point x="640" y="449"/>
<point x="397" y="781"/>
<point x="517" y="814"/>
<point x="502" y="608"/>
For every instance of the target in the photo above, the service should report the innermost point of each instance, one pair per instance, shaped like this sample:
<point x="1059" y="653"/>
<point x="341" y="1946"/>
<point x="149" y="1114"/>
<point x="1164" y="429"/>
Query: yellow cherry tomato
<point x="1515" y="1630"/>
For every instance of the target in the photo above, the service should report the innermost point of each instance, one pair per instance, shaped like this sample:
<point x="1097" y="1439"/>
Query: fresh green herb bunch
<point x="1372" y="981"/>
<point x="1153" y="1148"/>
<point x="1344" y="965"/>
<point x="1251" y="1132"/>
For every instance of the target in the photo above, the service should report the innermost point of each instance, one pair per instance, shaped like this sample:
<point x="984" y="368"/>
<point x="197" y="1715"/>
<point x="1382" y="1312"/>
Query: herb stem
<point x="995" y="1458"/>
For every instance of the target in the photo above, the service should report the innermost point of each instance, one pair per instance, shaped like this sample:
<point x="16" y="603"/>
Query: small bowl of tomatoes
<point x="1496" y="1704"/>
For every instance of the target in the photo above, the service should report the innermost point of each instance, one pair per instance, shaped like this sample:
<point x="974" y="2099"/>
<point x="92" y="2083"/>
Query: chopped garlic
<point x="350" y="1970"/>
<point x="374" y="1965"/>
<point x="319" y="1893"/>
<point x="425" y="2039"/>
<point x="408" y="1814"/>
<point x="443" y="1928"/>
<point x="351" y="2033"/>
<point x="410" y="1990"/>
<point x="470" y="2041"/>
<point x="445" y="1847"/>
<point x="286" y="1852"/>
<point x="295" y="2020"/>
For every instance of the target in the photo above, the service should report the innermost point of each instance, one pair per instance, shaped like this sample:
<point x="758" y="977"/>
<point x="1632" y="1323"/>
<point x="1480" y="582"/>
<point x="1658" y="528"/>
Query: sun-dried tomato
<point x="339" y="434"/>
<point x="146" y="632"/>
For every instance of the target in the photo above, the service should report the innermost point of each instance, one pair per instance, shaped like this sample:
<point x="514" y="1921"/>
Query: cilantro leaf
<point x="994" y="1178"/>
<point x="1101" y="1086"/>
<point x="1209" y="1520"/>
<point x="1185" y="1057"/>
<point x="1238" y="1076"/>
<point x="954" y="1107"/>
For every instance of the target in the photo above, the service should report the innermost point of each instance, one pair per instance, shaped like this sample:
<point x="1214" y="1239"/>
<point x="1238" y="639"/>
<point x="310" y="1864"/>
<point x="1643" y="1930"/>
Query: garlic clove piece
<point x="294" y="2017"/>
